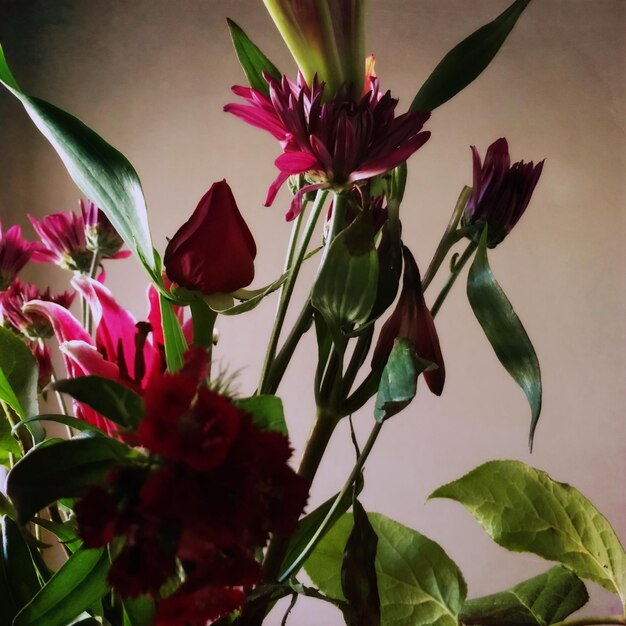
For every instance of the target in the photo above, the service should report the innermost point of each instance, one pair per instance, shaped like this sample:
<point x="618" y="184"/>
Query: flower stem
<point x="354" y="474"/>
<point x="288" y="290"/>
<point x="454" y="274"/>
<point x="449" y="238"/>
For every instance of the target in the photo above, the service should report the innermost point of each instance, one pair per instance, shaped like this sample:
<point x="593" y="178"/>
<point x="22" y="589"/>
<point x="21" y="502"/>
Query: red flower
<point x="412" y="320"/>
<point x="96" y="515"/>
<point x="183" y="423"/>
<point x="15" y="252"/>
<point x="501" y="191"/>
<point x="213" y="252"/>
<point x="337" y="143"/>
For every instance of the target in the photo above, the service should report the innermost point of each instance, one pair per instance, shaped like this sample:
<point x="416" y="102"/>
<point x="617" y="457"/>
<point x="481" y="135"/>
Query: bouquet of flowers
<point x="172" y="499"/>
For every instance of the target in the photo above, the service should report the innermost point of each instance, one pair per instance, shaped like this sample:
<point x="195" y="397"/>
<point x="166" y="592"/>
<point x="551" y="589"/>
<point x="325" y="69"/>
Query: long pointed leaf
<point x="467" y="60"/>
<point x="504" y="330"/>
<point x="100" y="171"/>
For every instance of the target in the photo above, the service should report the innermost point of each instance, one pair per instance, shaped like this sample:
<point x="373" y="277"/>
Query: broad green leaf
<point x="66" y="420"/>
<point x="60" y="470"/>
<point x="465" y="62"/>
<point x="18" y="565"/>
<point x="358" y="572"/>
<point x="108" y="397"/>
<point x="266" y="411"/>
<point x="79" y="583"/>
<point x="418" y="584"/>
<point x="18" y="374"/>
<point x="65" y="532"/>
<point x="345" y="287"/>
<point x="138" y="611"/>
<point x="253" y="61"/>
<point x="524" y="510"/>
<point x="308" y="525"/>
<point x="102" y="173"/>
<point x="398" y="383"/>
<point x="504" y="330"/>
<point x="540" y="601"/>
<point x="175" y="342"/>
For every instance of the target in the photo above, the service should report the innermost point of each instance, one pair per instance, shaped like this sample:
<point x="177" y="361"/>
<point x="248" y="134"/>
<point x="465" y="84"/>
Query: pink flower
<point x="31" y="324"/>
<point x="338" y="143"/>
<point x="100" y="235"/>
<point x="15" y="252"/>
<point x="213" y="251"/>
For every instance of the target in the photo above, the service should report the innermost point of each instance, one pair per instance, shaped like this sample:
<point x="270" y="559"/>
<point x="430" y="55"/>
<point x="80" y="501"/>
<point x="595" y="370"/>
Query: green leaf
<point x="398" y="383"/>
<point x="418" y="584"/>
<point x="308" y="525"/>
<point x="65" y="532"/>
<point x="102" y="173"/>
<point x="108" y="397"/>
<point x="81" y="581"/>
<point x="60" y="470"/>
<point x="266" y="411"/>
<point x="252" y="60"/>
<point x="18" y="565"/>
<point x="18" y="374"/>
<point x="504" y="330"/>
<point x="540" y="601"/>
<point x="524" y="510"/>
<point x="358" y="572"/>
<point x="465" y="62"/>
<point x="345" y="287"/>
<point x="175" y="342"/>
<point x="138" y="611"/>
<point x="8" y="443"/>
<point x="67" y="420"/>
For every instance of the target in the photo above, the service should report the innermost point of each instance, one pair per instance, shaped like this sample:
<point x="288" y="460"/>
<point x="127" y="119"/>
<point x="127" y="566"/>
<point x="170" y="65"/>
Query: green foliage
<point x="539" y="601"/>
<point x="60" y="470"/>
<point x="345" y="288"/>
<point x="102" y="173"/>
<point x="465" y="62"/>
<point x="418" y="584"/>
<point x="79" y="583"/>
<point x="18" y="575"/>
<point x="398" y="383"/>
<point x="358" y="572"/>
<point x="504" y="330"/>
<point x="266" y="411"/>
<point x="108" y="397"/>
<point x="175" y="342"/>
<point x="138" y="611"/>
<point x="524" y="510"/>
<point x="252" y="60"/>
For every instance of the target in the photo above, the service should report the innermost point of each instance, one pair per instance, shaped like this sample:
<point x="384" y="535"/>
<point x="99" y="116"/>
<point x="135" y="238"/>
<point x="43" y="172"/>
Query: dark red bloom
<point x="195" y="603"/>
<point x="214" y="251"/>
<point x="96" y="516"/>
<point x="15" y="252"/>
<point x="336" y="143"/>
<point x="183" y="423"/>
<point x="411" y="319"/>
<point x="501" y="192"/>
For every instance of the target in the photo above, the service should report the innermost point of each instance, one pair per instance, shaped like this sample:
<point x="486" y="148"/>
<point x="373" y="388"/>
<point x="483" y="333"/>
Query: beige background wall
<point x="152" y="76"/>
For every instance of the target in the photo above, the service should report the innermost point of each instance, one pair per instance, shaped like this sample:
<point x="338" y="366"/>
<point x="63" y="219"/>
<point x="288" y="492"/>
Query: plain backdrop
<point x="151" y="76"/>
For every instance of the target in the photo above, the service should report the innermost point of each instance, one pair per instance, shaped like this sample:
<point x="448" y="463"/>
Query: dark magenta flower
<point x="213" y="251"/>
<point x="501" y="191"/>
<point x="411" y="319"/>
<point x="31" y="324"/>
<point x="100" y="235"/>
<point x="336" y="143"/>
<point x="15" y="252"/>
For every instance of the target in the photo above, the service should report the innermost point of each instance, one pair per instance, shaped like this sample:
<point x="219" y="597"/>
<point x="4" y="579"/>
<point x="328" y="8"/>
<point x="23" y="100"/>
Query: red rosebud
<point x="214" y="251"/>
<point x="412" y="320"/>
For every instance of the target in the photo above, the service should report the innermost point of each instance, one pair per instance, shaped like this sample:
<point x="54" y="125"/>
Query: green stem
<point x="288" y="290"/>
<point x="454" y="274"/>
<point x="358" y="357"/>
<point x="591" y="621"/>
<point x="22" y="438"/>
<point x="354" y="474"/>
<point x="449" y="238"/>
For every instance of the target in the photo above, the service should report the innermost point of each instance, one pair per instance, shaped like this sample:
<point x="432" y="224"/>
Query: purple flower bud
<point x="501" y="192"/>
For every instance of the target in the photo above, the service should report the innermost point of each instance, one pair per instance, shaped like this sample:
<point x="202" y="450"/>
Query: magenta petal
<point x="385" y="163"/>
<point x="89" y="360"/>
<point x="296" y="204"/>
<point x="274" y="187"/>
<point x="259" y="118"/>
<point x="66" y="327"/>
<point x="296" y="162"/>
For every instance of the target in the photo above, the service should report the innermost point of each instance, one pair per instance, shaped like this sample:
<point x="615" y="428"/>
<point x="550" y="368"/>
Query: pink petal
<point x="296" y="204"/>
<point x="89" y="360"/>
<point x="274" y="187"/>
<point x="296" y="162"/>
<point x="259" y="118"/>
<point x="66" y="327"/>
